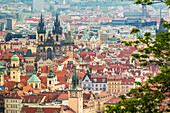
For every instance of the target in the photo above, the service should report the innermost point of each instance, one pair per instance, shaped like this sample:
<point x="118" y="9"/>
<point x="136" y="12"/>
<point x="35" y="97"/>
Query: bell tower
<point x="40" y="34"/>
<point x="51" y="79"/>
<point x="15" y="71"/>
<point x="75" y="95"/>
<point x="69" y="45"/>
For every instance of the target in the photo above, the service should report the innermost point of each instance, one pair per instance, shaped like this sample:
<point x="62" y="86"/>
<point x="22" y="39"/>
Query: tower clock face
<point x="73" y="94"/>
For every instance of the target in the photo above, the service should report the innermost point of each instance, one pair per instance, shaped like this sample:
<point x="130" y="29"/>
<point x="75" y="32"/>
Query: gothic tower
<point x="75" y="96"/>
<point x="69" y="45"/>
<point x="40" y="37"/>
<point x="15" y="71"/>
<point x="48" y="46"/>
<point x="57" y="31"/>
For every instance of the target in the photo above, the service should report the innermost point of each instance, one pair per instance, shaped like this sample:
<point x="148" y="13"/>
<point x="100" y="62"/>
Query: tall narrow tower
<point x="75" y="96"/>
<point x="69" y="45"/>
<point x="40" y="36"/>
<point x="144" y="10"/>
<point x="15" y="71"/>
<point x="2" y="69"/>
<point x="57" y="31"/>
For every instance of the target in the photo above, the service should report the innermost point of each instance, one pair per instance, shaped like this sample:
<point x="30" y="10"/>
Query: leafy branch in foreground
<point x="152" y="96"/>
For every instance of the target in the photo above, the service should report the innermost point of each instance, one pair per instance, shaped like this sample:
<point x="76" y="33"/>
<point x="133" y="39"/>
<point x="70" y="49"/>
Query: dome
<point x="34" y="77"/>
<point x="15" y="58"/>
<point x="50" y="73"/>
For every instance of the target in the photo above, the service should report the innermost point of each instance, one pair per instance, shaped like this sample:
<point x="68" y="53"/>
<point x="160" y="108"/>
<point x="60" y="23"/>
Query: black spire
<point x="57" y="28"/>
<point x="41" y="27"/>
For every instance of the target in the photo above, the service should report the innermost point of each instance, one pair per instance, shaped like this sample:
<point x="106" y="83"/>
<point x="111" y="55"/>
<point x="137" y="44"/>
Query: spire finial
<point x="41" y="18"/>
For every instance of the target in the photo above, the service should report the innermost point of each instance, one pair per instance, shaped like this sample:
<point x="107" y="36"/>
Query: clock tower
<point x="75" y="96"/>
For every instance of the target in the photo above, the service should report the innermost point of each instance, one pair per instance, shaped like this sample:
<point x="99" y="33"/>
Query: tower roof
<point x="15" y="58"/>
<point x="57" y="29"/>
<point x="50" y="73"/>
<point x="75" y="82"/>
<point x="34" y="77"/>
<point x="41" y="27"/>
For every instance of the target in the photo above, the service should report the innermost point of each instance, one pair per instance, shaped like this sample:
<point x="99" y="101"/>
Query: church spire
<point x="41" y="27"/>
<point x="57" y="28"/>
<point x="75" y="81"/>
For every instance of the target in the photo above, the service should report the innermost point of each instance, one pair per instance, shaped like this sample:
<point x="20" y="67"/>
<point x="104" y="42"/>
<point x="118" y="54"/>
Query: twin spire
<point x="56" y="29"/>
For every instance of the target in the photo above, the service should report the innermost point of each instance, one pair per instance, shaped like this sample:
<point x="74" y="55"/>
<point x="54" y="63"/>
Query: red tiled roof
<point x="112" y="101"/>
<point x="45" y="110"/>
<point x="63" y="96"/>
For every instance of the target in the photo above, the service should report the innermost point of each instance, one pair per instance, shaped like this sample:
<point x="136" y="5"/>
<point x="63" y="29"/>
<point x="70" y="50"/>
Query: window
<point x="95" y="80"/>
<point x="73" y="94"/>
<point x="57" y="38"/>
<point x="69" y="48"/>
<point x="70" y="62"/>
<point x="13" y="72"/>
<point x="103" y="79"/>
<point x="13" y="76"/>
<point x="50" y="82"/>
<point x="41" y="38"/>
<point x="87" y="81"/>
<point x="36" y="86"/>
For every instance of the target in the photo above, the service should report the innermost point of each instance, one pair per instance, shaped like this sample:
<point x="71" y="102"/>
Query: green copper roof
<point x="87" y="68"/>
<point x="34" y="77"/>
<point x="50" y="73"/>
<point x="75" y="82"/>
<point x="85" y="31"/>
<point x="15" y="58"/>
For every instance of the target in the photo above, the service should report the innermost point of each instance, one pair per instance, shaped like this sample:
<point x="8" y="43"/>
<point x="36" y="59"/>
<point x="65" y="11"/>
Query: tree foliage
<point x="149" y="97"/>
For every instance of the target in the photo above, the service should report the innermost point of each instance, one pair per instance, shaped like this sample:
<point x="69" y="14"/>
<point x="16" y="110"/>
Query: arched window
<point x="69" y="48"/>
<point x="36" y="86"/>
<point x="50" y="82"/>
<point x="56" y="37"/>
<point x="41" y="38"/>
